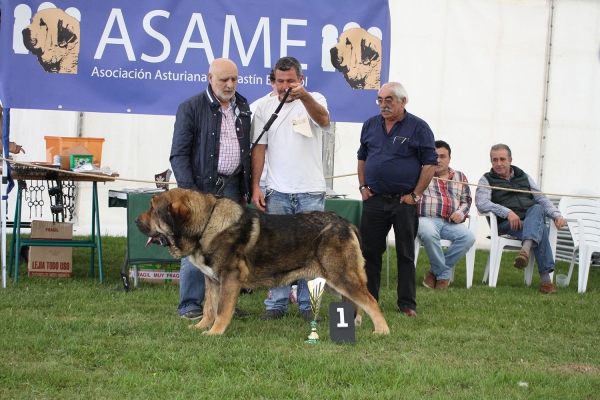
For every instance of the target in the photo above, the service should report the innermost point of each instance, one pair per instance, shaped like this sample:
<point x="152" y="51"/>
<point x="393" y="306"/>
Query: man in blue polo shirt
<point x="396" y="161"/>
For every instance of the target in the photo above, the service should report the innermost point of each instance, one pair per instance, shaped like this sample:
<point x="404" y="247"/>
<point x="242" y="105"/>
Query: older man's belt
<point x="390" y="196"/>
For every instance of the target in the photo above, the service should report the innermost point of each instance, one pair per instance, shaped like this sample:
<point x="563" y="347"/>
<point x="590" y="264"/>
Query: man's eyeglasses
<point x="388" y="101"/>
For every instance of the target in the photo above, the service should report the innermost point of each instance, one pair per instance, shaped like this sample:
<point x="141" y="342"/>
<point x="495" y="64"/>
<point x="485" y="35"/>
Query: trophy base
<point x="313" y="337"/>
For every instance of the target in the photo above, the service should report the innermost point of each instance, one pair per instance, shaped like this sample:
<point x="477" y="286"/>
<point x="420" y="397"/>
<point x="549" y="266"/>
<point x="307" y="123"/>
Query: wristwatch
<point x="361" y="187"/>
<point x="415" y="197"/>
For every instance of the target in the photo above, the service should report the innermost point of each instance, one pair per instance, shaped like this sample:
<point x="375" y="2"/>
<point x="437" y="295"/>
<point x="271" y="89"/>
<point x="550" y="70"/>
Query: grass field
<point x="77" y="338"/>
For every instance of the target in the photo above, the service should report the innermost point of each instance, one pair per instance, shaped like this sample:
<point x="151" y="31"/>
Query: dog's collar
<point x="208" y="220"/>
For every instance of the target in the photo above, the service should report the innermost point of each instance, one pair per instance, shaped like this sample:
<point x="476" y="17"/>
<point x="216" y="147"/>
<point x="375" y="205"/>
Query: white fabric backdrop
<point x="474" y="70"/>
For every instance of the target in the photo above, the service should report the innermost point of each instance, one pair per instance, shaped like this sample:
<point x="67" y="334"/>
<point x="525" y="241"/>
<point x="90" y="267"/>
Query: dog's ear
<point x="179" y="213"/>
<point x="368" y="53"/>
<point x="65" y="34"/>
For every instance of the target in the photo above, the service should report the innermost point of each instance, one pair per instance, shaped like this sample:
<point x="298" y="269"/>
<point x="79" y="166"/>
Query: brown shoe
<point x="522" y="260"/>
<point x="429" y="280"/>
<point x="442" y="283"/>
<point x="548" y="288"/>
<point x="409" y="312"/>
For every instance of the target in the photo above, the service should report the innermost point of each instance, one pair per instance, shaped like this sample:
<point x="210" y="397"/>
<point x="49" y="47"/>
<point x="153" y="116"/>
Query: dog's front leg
<point x="211" y="300"/>
<point x="228" y="295"/>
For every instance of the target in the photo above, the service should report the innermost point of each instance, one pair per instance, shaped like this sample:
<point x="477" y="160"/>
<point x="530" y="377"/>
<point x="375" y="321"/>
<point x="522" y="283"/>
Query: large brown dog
<point x="239" y="247"/>
<point x="53" y="36"/>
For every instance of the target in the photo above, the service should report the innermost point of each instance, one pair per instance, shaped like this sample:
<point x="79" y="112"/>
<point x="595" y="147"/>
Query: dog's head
<point x="53" y="36"/>
<point x="176" y="219"/>
<point x="357" y="56"/>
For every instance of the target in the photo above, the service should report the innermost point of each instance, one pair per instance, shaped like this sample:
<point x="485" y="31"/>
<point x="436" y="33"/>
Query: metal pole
<point x="5" y="146"/>
<point x="545" y="122"/>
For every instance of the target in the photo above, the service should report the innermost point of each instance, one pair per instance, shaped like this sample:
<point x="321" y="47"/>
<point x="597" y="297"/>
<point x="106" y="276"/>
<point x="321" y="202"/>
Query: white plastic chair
<point x="497" y="245"/>
<point x="470" y="256"/>
<point x="583" y="219"/>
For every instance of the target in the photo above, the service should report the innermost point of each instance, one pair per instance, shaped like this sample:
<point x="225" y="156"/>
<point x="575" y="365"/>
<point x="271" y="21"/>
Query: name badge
<point x="301" y="125"/>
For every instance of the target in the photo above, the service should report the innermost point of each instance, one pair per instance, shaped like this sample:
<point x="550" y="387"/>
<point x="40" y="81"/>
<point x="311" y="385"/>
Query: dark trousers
<point x="379" y="215"/>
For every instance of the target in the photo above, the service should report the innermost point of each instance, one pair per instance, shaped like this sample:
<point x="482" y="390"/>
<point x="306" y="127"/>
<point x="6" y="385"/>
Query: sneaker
<point x="429" y="280"/>
<point x="239" y="313"/>
<point x="272" y="314"/>
<point x="548" y="288"/>
<point x="196" y="313"/>
<point x="442" y="284"/>
<point x="307" y="315"/>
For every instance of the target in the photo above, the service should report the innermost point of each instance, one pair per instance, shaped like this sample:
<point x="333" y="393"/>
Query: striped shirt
<point x="442" y="198"/>
<point x="229" y="148"/>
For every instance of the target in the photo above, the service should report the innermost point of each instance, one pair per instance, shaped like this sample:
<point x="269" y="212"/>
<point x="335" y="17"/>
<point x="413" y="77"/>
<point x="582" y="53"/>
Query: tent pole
<point x="5" y="145"/>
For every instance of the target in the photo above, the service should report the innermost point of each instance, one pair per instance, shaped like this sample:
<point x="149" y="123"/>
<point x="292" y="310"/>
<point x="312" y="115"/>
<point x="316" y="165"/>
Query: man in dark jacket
<point x="211" y="136"/>
<point x="522" y="215"/>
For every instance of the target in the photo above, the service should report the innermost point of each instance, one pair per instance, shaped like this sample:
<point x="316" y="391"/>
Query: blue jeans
<point x="291" y="203"/>
<point x="431" y="231"/>
<point x="534" y="228"/>
<point x="191" y="279"/>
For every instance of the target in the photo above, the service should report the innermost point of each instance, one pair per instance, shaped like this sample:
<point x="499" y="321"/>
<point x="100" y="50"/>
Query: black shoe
<point x="196" y="313"/>
<point x="272" y="314"/>
<point x="239" y="313"/>
<point x="307" y="315"/>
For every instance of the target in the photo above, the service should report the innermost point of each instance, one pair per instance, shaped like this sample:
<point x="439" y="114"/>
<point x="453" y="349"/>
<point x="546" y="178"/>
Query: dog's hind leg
<point x="351" y="281"/>
<point x="358" y="311"/>
<point x="361" y="297"/>
<point x="211" y="300"/>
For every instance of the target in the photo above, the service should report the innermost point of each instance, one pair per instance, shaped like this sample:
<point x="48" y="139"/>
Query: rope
<point x="493" y="187"/>
<point x="117" y="178"/>
<point x="64" y="171"/>
<point x="520" y="191"/>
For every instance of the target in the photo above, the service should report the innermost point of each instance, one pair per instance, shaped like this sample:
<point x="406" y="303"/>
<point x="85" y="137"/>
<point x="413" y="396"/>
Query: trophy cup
<point x="315" y="291"/>
<point x="163" y="177"/>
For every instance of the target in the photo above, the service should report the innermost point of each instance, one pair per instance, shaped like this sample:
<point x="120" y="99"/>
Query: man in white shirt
<point x="295" y="182"/>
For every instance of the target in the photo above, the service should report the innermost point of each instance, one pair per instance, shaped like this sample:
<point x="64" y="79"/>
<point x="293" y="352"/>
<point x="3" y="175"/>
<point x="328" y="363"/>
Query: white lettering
<point x="115" y="15"/>
<point x="263" y="26"/>
<point x="250" y="79"/>
<point x="205" y="44"/>
<point x="179" y="76"/>
<point x="285" y="42"/>
<point x="156" y="35"/>
<point x="121" y="73"/>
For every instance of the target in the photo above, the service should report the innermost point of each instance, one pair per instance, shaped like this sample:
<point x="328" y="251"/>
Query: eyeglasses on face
<point x="388" y="101"/>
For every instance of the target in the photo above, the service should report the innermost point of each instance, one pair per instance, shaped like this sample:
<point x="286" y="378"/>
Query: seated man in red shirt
<point x="442" y="209"/>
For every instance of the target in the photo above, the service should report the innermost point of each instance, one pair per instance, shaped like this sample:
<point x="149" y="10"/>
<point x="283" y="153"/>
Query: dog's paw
<point x="358" y="320"/>
<point x="384" y="331"/>
<point x="212" y="332"/>
<point x="202" y="324"/>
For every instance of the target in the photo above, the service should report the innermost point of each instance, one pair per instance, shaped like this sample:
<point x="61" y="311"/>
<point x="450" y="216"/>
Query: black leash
<point x="265" y="129"/>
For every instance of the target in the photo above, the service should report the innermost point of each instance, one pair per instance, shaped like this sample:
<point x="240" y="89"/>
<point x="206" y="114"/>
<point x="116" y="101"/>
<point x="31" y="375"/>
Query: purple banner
<point x="146" y="57"/>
